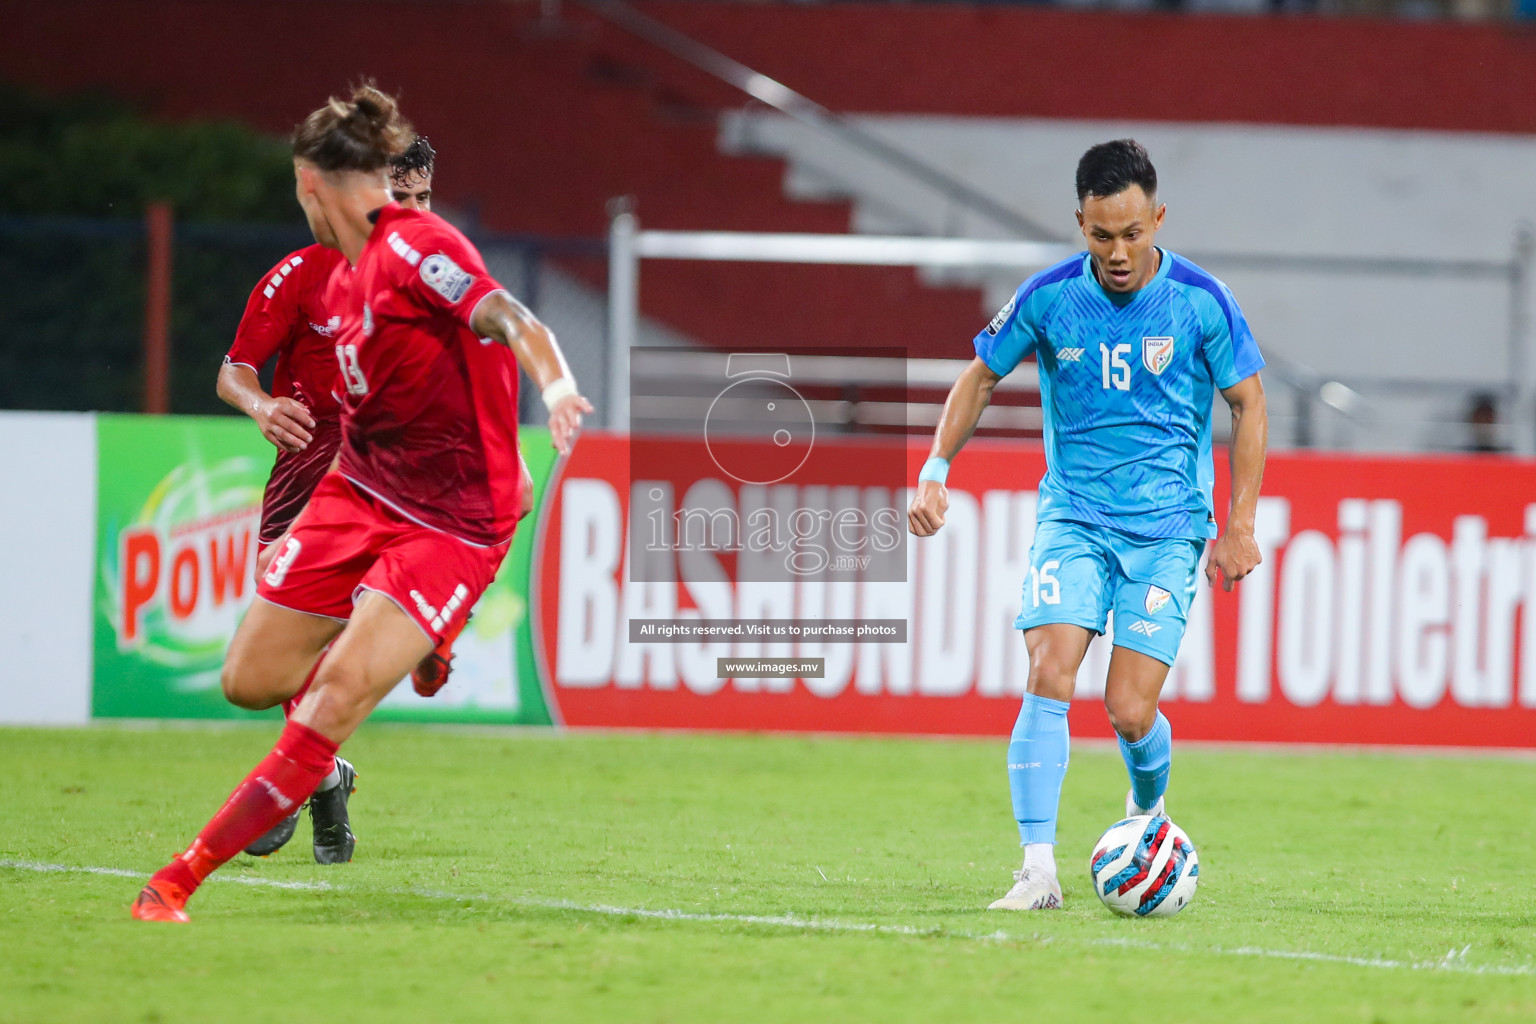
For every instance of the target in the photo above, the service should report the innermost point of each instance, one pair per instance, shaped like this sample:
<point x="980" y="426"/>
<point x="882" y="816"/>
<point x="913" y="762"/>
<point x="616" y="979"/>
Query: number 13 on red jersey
<point x="351" y="372"/>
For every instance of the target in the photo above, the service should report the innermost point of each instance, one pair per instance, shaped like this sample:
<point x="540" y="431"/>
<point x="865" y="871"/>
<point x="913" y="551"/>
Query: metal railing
<point x="845" y="393"/>
<point x="1305" y="396"/>
<point x="1358" y="400"/>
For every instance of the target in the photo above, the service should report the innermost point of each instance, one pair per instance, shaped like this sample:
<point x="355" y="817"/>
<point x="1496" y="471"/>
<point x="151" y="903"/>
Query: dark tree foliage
<point x="76" y="174"/>
<point x="92" y="156"/>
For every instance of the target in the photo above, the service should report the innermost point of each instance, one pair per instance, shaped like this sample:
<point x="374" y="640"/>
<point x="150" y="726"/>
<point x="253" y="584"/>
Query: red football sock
<point x="281" y="782"/>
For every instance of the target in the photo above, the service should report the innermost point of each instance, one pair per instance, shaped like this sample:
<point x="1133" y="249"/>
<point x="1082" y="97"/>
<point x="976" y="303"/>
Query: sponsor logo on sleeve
<point x="1002" y="317"/>
<point x="445" y="277"/>
<point x="1156" y="353"/>
<point x="1157" y="600"/>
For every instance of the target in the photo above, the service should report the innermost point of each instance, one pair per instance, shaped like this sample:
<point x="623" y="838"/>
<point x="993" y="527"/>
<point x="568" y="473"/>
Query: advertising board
<point x="178" y="503"/>
<point x="1392" y="607"/>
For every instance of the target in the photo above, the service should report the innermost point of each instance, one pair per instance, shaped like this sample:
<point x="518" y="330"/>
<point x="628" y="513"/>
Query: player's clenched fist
<point x="928" y="507"/>
<point x="1235" y="555"/>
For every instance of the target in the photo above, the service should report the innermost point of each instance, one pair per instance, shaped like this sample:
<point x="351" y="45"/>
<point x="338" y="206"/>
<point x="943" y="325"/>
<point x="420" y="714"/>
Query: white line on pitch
<point x="274" y="883"/>
<point x="1454" y="961"/>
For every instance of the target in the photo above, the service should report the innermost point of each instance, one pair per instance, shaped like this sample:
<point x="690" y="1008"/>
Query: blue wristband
<point x="935" y="469"/>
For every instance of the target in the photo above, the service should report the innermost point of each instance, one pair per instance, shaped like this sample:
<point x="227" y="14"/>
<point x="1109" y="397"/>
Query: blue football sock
<point x="1149" y="760"/>
<point x="1037" y="762"/>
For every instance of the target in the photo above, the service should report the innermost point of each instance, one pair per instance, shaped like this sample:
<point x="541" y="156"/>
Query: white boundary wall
<point x="48" y="526"/>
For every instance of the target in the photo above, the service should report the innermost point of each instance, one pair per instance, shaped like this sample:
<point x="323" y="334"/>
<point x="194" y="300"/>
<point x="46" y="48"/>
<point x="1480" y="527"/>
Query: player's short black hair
<point x="418" y="158"/>
<point x="1112" y="167"/>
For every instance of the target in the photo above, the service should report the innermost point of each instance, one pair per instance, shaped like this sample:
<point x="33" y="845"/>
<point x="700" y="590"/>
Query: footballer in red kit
<point x="429" y="436"/>
<point x="413" y="525"/>
<point x="288" y="316"/>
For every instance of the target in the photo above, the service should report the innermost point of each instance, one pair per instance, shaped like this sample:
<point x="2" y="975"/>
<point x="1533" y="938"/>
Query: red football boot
<point x="431" y="673"/>
<point x="161" y="901"/>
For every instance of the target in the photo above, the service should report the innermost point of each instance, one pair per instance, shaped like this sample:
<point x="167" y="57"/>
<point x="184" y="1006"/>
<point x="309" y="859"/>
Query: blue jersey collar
<point x="1165" y="261"/>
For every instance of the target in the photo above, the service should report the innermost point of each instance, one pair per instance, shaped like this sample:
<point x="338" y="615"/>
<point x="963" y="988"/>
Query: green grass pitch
<point x="574" y="877"/>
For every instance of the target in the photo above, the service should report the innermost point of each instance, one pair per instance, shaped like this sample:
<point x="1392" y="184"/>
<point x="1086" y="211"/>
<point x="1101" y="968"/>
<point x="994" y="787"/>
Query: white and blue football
<point x="1145" y="867"/>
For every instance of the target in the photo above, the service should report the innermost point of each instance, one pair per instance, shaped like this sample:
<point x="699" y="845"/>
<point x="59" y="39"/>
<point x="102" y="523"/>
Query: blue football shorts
<point x="1078" y="574"/>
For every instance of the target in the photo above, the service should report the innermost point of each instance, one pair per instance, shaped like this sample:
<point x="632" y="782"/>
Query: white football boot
<point x="1033" y="889"/>
<point x="1132" y="810"/>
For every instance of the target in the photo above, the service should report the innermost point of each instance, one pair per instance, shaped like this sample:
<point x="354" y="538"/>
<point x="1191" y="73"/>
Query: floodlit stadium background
<point x="1362" y="181"/>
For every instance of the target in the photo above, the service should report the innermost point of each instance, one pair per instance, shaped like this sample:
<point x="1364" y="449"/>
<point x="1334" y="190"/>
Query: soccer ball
<point x="1145" y="867"/>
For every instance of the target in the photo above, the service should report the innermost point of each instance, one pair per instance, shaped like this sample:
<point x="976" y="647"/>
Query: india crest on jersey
<point x="1156" y="353"/>
<point x="1157" y="599"/>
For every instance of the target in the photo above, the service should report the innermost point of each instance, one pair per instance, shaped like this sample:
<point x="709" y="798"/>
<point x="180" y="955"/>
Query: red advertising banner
<point x="1391" y="607"/>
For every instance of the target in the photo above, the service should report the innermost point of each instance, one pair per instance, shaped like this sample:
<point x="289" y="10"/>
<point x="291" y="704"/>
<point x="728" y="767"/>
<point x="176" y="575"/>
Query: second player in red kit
<point x="287" y="317"/>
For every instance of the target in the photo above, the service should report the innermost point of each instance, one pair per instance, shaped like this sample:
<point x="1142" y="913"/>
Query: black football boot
<point x="328" y="814"/>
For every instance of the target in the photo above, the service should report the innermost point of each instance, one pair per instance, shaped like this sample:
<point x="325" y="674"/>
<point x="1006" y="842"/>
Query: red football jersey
<point x="287" y="317"/>
<point x="429" y="420"/>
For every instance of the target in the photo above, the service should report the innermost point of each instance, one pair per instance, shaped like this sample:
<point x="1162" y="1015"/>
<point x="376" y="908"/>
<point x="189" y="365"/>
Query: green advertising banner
<point x="179" y="499"/>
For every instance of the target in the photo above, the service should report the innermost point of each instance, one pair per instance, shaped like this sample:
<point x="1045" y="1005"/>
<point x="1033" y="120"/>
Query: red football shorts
<point x="347" y="541"/>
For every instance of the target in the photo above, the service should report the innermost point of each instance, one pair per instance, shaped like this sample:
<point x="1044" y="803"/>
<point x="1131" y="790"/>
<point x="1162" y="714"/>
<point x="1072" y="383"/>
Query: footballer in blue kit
<point x="1133" y="343"/>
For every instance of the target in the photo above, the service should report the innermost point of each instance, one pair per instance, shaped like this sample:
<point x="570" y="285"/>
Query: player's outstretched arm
<point x="1236" y="553"/>
<point x="502" y="318"/>
<point x="962" y="411"/>
<point x="283" y="421"/>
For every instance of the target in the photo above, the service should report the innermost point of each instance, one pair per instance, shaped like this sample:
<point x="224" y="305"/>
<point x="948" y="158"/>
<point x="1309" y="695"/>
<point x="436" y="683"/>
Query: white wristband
<point x="559" y="389"/>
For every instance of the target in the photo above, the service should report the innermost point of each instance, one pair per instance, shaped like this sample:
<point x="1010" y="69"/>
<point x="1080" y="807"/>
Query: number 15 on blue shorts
<point x="1078" y="574"/>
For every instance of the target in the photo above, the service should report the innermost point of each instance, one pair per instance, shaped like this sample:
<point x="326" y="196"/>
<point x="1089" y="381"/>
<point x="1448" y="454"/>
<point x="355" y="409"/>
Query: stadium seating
<point x="539" y="125"/>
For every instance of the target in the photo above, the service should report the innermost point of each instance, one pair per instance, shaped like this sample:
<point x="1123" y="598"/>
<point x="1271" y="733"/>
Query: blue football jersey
<point x="1126" y="385"/>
